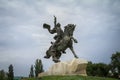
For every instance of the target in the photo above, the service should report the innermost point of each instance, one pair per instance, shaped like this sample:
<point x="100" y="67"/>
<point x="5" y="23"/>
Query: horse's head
<point x="69" y="29"/>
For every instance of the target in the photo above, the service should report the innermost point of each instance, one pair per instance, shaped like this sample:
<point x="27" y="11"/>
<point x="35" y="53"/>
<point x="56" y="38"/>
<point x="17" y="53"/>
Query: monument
<point x="63" y="40"/>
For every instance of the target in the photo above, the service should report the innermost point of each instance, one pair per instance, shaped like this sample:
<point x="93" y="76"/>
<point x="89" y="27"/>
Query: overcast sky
<point x="23" y="39"/>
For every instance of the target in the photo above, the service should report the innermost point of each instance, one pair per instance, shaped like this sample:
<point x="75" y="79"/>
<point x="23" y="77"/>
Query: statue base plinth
<point x="73" y="67"/>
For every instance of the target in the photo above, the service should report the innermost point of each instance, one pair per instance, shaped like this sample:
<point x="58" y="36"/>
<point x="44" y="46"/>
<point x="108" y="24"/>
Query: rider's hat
<point x="58" y="25"/>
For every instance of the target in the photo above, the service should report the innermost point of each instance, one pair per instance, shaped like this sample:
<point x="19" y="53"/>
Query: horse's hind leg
<point x="55" y="57"/>
<point x="47" y="55"/>
<point x="71" y="48"/>
<point x="58" y="55"/>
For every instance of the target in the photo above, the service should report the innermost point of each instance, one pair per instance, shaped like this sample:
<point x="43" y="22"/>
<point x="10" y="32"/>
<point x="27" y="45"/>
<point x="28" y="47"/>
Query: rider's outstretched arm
<point x="55" y="21"/>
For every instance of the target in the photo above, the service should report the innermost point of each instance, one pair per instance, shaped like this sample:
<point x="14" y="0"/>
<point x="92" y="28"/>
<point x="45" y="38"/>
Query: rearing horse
<point x="63" y="44"/>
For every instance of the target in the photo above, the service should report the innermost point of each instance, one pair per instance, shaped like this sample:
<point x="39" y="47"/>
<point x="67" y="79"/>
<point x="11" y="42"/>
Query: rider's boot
<point x="52" y="42"/>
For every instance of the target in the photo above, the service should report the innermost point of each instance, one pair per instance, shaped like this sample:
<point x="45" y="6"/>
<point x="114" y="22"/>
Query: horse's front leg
<point x="71" y="48"/>
<point x="75" y="40"/>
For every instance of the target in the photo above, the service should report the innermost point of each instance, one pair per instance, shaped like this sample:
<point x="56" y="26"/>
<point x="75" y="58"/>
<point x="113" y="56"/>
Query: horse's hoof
<point x="56" y="60"/>
<point x="63" y="52"/>
<point x="47" y="57"/>
<point x="76" y="57"/>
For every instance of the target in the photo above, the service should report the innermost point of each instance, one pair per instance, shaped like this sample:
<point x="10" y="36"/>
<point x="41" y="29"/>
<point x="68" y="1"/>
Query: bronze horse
<point x="63" y="44"/>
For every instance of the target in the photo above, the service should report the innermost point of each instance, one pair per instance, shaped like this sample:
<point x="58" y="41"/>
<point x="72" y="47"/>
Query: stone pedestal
<point x="73" y="67"/>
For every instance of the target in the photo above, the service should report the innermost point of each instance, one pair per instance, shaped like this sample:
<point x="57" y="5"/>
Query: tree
<point x="97" y="69"/>
<point x="102" y="69"/>
<point x="2" y="75"/>
<point x="89" y="69"/>
<point x="10" y="73"/>
<point x="31" y="72"/>
<point x="115" y="64"/>
<point x="38" y="67"/>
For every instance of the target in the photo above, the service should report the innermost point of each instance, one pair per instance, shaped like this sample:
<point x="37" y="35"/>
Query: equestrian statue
<point x="63" y="40"/>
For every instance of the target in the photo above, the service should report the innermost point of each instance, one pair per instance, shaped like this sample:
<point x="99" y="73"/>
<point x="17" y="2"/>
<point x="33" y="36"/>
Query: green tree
<point x="10" y="73"/>
<point x="31" y="72"/>
<point x="115" y="64"/>
<point x="38" y="67"/>
<point x="89" y="69"/>
<point x="97" y="69"/>
<point x="102" y="69"/>
<point x="2" y="75"/>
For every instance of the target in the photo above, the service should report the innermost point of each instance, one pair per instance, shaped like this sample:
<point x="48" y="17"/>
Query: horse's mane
<point x="69" y="29"/>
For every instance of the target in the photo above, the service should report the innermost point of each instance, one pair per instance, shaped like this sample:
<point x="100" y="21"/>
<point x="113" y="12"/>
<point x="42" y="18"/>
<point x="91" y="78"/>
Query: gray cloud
<point x="22" y="38"/>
